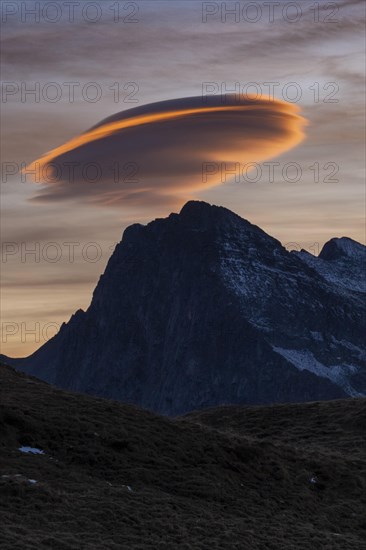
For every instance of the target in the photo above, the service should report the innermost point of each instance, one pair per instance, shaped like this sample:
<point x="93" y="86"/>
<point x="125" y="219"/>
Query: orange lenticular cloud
<point x="161" y="150"/>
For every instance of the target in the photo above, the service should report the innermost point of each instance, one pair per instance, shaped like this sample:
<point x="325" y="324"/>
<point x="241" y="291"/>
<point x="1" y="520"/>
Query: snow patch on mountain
<point x="359" y="352"/>
<point x="345" y="273"/>
<point x="31" y="450"/>
<point x="305" y="360"/>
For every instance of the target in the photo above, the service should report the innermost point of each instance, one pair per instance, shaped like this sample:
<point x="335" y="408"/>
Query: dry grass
<point x="224" y="479"/>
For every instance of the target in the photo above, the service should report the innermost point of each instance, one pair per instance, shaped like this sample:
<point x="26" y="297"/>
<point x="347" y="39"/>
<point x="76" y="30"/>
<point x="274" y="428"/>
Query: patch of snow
<point x="252" y="279"/>
<point x="31" y="450"/>
<point x="305" y="360"/>
<point x="348" y="275"/>
<point x="16" y="476"/>
<point x="361" y="353"/>
<point x="316" y="336"/>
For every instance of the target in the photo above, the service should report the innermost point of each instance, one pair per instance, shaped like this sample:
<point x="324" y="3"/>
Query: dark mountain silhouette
<point x="83" y="473"/>
<point x="203" y="308"/>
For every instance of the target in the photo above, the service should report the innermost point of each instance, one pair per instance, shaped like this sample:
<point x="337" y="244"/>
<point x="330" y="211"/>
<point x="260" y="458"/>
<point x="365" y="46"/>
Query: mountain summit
<point x="203" y="308"/>
<point x="341" y="262"/>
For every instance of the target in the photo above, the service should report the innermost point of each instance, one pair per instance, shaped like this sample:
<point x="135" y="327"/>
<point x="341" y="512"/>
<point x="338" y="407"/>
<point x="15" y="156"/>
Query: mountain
<point x="83" y="473"/>
<point x="342" y="262"/>
<point x="203" y="308"/>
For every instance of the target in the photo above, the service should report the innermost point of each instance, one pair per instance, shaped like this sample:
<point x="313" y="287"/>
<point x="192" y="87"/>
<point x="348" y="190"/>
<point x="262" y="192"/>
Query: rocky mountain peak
<point x="338" y="248"/>
<point x="203" y="308"/>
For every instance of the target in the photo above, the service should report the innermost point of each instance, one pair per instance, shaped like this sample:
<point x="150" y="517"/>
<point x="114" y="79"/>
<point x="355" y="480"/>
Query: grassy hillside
<point x="112" y="476"/>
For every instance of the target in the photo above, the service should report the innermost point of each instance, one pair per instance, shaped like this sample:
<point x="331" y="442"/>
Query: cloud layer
<point x="161" y="150"/>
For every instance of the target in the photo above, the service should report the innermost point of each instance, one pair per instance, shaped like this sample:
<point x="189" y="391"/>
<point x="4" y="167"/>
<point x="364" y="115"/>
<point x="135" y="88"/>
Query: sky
<point x="135" y="93"/>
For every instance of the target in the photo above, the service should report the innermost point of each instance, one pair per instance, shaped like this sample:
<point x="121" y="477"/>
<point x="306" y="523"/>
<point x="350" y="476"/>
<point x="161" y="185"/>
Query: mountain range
<point x="203" y="308"/>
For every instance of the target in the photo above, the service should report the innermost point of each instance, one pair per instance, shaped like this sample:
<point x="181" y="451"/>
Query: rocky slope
<point x="342" y="262"/>
<point x="82" y="473"/>
<point x="203" y="308"/>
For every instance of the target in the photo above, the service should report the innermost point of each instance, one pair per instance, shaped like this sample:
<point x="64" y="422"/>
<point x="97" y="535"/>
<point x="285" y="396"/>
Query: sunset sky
<point x="304" y="66"/>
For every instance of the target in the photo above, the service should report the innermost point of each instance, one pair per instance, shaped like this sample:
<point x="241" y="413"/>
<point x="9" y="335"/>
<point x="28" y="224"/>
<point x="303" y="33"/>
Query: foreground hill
<point x="112" y="476"/>
<point x="203" y="308"/>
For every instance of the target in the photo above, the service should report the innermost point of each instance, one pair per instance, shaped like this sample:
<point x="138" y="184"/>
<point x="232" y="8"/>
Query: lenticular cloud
<point x="162" y="151"/>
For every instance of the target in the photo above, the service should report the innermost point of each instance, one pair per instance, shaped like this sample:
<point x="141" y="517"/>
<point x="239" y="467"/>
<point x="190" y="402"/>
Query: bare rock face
<point x="203" y="309"/>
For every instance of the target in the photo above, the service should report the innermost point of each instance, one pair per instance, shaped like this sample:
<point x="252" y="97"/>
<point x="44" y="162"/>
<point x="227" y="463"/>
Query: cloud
<point x="159" y="152"/>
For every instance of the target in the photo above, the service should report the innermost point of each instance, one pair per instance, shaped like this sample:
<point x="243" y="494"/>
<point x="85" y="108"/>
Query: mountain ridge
<point x="204" y="308"/>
